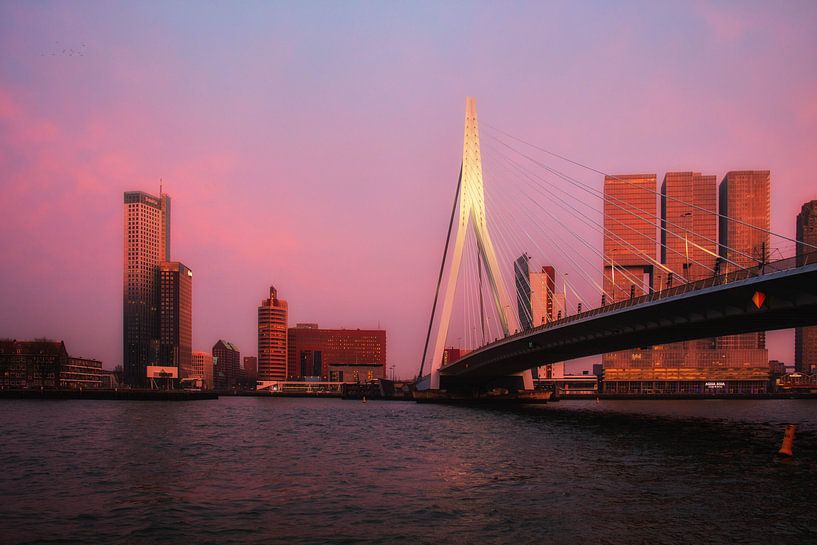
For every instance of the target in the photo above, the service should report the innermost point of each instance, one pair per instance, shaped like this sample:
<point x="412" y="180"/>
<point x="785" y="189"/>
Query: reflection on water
<point x="260" y="470"/>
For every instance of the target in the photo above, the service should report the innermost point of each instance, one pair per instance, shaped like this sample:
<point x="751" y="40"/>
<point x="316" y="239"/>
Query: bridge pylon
<point x="471" y="200"/>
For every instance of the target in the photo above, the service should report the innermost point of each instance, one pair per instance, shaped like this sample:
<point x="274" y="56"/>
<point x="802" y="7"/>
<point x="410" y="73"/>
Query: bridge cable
<point x="440" y="277"/>
<point x="718" y="214"/>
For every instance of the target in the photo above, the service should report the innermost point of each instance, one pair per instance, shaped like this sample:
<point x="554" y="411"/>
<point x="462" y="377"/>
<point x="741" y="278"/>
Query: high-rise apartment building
<point x="630" y="241"/>
<point x="534" y="293"/>
<point x="273" y="316"/>
<point x="146" y="245"/>
<point x="311" y="350"/>
<point x="202" y="369"/>
<point x="542" y="291"/>
<point x="227" y="362"/>
<point x="176" y="317"/>
<point x="745" y="195"/>
<point x="805" y="338"/>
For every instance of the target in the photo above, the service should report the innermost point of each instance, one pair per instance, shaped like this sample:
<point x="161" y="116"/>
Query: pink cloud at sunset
<point x="316" y="146"/>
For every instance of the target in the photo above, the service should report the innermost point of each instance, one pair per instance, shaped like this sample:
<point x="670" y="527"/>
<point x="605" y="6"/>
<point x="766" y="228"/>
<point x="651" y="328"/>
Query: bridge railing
<point x="727" y="277"/>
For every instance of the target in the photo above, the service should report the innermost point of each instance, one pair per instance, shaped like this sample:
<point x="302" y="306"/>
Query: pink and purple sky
<point x="315" y="145"/>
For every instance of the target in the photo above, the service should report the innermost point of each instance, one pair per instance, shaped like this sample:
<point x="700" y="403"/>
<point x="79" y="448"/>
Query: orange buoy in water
<point x="788" y="441"/>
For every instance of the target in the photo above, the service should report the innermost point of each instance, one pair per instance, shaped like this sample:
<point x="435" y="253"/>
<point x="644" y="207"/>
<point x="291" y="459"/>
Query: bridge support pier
<point x="517" y="388"/>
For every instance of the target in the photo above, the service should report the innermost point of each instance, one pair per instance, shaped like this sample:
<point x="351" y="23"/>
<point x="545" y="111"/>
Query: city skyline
<point x="291" y="147"/>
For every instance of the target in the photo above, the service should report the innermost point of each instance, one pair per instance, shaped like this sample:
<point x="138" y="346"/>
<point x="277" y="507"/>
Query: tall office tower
<point x="202" y="369"/>
<point x="745" y="196"/>
<point x="227" y="361"/>
<point x="805" y="338"/>
<point x="313" y="352"/>
<point x="273" y="317"/>
<point x="534" y="293"/>
<point x="251" y="368"/>
<point x="630" y="243"/>
<point x="542" y="290"/>
<point x="521" y="275"/>
<point x="146" y="244"/>
<point x="689" y="246"/>
<point x="176" y="316"/>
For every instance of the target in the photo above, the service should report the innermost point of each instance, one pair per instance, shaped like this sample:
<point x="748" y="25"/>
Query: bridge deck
<point x="712" y="307"/>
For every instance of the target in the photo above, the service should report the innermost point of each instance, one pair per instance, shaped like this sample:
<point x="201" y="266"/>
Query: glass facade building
<point x="146" y="245"/>
<point x="691" y="248"/>
<point x="630" y="243"/>
<point x="176" y="317"/>
<point x="805" y="338"/>
<point x="744" y="195"/>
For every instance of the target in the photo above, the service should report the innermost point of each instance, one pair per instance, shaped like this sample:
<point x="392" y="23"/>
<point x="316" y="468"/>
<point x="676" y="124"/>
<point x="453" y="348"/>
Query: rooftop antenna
<point x="160" y="187"/>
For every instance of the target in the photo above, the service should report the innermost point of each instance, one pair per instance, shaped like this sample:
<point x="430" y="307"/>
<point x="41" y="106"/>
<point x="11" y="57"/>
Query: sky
<point x="315" y="146"/>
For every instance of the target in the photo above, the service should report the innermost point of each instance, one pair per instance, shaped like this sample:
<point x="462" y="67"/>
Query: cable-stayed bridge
<point x="517" y="203"/>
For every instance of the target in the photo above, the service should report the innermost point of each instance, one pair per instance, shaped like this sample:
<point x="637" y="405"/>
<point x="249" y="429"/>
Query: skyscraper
<point x="176" y="316"/>
<point x="521" y="275"/>
<point x="146" y="244"/>
<point x="273" y="315"/>
<point x="688" y="251"/>
<point x="805" y="338"/>
<point x="629" y="234"/>
<point x="629" y="249"/>
<point x="689" y="246"/>
<point x="745" y="196"/>
<point x="534" y="293"/>
<point x="542" y="291"/>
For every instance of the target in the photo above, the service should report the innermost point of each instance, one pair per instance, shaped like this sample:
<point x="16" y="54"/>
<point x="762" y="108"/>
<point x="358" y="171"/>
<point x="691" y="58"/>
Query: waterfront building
<point x="27" y="364"/>
<point x="746" y="196"/>
<point x="273" y="319"/>
<point x="735" y="364"/>
<point x="356" y="372"/>
<point x="805" y="338"/>
<point x="629" y="250"/>
<point x="521" y="275"/>
<point x="176" y="317"/>
<point x="45" y="363"/>
<point x="312" y="350"/>
<point x="542" y="288"/>
<point x="226" y="362"/>
<point x="83" y="373"/>
<point x="534" y="293"/>
<point x="251" y="369"/>
<point x="203" y="369"/>
<point x="146" y="245"/>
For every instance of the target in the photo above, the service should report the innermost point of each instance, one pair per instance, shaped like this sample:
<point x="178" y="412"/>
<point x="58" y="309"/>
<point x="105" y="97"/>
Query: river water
<point x="263" y="470"/>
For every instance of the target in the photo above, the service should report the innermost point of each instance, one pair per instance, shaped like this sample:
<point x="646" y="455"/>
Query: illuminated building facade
<point x="273" y="318"/>
<point x="629" y="250"/>
<point x="312" y="350"/>
<point x="534" y="293"/>
<point x="146" y="245"/>
<point x="176" y="317"/>
<point x="746" y="196"/>
<point x="805" y="338"/>
<point x="734" y="364"/>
